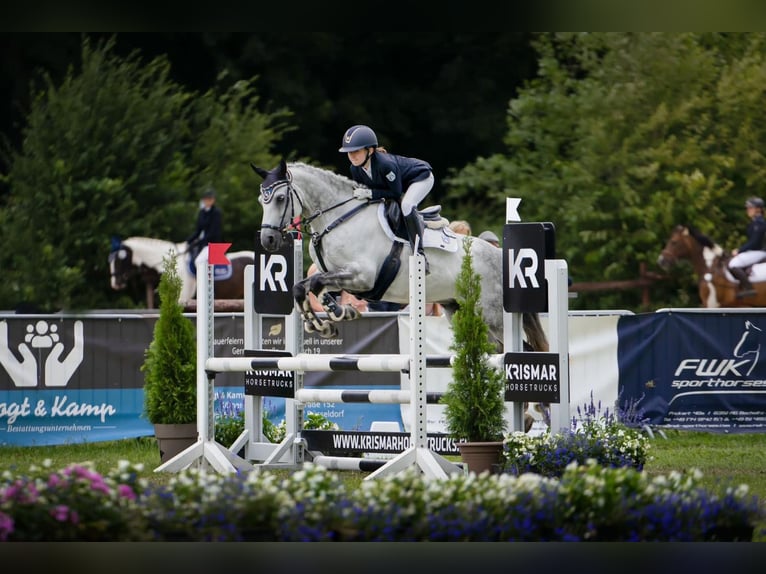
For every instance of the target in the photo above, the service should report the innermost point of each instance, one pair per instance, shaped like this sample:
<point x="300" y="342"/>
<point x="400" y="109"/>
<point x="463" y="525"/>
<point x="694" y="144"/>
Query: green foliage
<point x="619" y="137"/>
<point x="474" y="401"/>
<point x="119" y="148"/>
<point x="227" y="429"/>
<point x="170" y="364"/>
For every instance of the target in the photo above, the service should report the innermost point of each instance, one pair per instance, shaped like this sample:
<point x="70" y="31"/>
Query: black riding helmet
<point x="754" y="202"/>
<point x="358" y="137"/>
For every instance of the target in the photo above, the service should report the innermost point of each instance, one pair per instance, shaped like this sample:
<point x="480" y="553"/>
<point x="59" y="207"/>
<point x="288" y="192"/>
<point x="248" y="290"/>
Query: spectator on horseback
<point x="387" y="176"/>
<point x="209" y="227"/>
<point x="752" y="251"/>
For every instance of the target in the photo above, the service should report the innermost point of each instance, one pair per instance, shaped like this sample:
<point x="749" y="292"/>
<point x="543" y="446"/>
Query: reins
<point x="304" y="224"/>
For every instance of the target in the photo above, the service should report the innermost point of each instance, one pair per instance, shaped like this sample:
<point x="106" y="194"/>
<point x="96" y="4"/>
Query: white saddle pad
<point x="757" y="273"/>
<point x="444" y="238"/>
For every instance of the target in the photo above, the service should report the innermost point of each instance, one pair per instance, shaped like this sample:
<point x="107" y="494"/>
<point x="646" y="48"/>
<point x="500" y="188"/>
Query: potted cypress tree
<point x="474" y="401"/>
<point x="170" y="370"/>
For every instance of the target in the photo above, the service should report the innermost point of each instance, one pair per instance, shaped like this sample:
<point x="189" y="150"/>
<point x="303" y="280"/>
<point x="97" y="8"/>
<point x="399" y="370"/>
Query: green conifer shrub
<point x="170" y="361"/>
<point x="474" y="400"/>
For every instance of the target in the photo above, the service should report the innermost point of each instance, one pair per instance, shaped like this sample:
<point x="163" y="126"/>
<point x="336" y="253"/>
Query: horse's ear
<point x="283" y="167"/>
<point x="116" y="242"/>
<point x="259" y="170"/>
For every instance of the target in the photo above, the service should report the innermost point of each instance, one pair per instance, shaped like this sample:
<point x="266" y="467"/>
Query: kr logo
<point x="40" y="352"/>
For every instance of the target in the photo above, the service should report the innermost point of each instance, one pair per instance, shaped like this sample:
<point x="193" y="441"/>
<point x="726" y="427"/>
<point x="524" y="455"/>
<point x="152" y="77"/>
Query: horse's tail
<point x="533" y="329"/>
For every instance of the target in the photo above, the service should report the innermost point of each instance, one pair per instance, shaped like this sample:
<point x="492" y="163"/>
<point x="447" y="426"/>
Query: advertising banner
<point x="69" y="379"/>
<point x="695" y="371"/>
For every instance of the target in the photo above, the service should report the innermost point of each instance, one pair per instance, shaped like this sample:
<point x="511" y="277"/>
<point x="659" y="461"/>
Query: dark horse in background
<point x="143" y="256"/>
<point x="716" y="285"/>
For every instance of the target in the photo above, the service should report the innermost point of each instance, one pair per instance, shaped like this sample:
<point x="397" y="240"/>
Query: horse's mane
<point x="150" y="250"/>
<point x="326" y="174"/>
<point x="701" y="238"/>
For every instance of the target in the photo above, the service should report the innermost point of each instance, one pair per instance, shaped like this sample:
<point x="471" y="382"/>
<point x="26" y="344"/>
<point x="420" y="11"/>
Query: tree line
<point x="613" y="137"/>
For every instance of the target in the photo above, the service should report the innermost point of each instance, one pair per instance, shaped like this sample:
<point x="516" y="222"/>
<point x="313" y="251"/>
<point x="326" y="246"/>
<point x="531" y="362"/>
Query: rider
<point x="209" y="225"/>
<point x="751" y="251"/>
<point x="388" y="176"/>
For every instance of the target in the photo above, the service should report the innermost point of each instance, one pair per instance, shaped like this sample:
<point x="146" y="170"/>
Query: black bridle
<point x="302" y="224"/>
<point x="127" y="269"/>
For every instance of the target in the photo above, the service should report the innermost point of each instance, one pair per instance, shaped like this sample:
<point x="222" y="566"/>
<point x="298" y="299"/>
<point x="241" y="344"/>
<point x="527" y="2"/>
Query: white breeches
<point x="747" y="258"/>
<point x="417" y="193"/>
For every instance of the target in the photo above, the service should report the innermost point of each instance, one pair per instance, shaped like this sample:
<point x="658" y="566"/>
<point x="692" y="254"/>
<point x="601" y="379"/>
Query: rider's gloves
<point x="362" y="193"/>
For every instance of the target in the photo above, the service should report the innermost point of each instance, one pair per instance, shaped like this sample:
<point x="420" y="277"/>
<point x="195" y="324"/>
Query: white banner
<point x="593" y="367"/>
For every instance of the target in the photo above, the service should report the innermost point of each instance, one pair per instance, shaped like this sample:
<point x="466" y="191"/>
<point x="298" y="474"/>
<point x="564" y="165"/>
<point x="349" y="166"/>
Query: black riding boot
<point x="745" y="287"/>
<point x="415" y="228"/>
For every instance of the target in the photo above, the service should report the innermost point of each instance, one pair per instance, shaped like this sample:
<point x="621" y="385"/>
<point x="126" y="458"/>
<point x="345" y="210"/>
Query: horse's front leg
<point x="311" y="321"/>
<point x="321" y="285"/>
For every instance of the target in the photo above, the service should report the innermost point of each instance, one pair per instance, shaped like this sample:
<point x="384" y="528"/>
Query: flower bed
<point x="611" y="444"/>
<point x="588" y="502"/>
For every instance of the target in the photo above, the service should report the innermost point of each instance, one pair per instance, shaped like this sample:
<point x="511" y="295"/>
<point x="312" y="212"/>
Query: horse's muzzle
<point x="271" y="239"/>
<point x="664" y="262"/>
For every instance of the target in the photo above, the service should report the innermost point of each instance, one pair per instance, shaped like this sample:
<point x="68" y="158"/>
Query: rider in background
<point x="209" y="227"/>
<point x="388" y="176"/>
<point x="490" y="237"/>
<point x="751" y="251"/>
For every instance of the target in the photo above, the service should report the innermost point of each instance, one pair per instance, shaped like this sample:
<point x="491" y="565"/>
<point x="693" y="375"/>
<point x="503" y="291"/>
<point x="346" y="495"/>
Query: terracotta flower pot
<point x="481" y="456"/>
<point x="174" y="438"/>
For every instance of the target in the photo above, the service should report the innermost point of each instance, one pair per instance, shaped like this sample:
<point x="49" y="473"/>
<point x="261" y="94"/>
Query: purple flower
<point x="6" y="526"/>
<point x="60" y="512"/>
<point x="125" y="491"/>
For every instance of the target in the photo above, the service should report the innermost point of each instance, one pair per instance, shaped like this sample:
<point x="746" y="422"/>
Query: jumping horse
<point x="716" y="285"/>
<point x="359" y="245"/>
<point x="143" y="256"/>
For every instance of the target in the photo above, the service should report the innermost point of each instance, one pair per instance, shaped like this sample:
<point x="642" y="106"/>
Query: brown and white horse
<point x="717" y="287"/>
<point x="143" y="256"/>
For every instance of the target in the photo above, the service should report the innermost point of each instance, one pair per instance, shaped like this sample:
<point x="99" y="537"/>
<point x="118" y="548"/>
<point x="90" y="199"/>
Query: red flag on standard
<point x="216" y="253"/>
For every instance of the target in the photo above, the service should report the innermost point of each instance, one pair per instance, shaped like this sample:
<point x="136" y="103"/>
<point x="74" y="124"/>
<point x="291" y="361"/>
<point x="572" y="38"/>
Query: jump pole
<point x="205" y="452"/>
<point x="431" y="464"/>
<point x="557" y="274"/>
<point x="512" y="328"/>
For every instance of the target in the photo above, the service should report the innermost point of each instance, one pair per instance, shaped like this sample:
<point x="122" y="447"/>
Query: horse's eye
<point x="281" y="198"/>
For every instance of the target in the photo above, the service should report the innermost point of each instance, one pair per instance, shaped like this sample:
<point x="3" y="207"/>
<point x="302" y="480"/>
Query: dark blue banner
<point x="695" y="371"/>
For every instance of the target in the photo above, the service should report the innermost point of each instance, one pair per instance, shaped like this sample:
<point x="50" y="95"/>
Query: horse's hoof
<point x="308" y="327"/>
<point x="336" y="314"/>
<point x="352" y="313"/>
<point x="328" y="331"/>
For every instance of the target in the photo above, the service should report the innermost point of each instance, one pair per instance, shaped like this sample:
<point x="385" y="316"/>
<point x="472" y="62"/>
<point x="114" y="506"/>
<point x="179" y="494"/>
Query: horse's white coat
<point x="354" y="250"/>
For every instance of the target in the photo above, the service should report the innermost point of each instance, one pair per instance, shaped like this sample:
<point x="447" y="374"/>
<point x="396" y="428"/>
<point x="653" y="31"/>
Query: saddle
<point x="431" y="216"/>
<point x="221" y="272"/>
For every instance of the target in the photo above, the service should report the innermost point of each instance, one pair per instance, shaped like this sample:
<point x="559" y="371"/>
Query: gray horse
<point x="359" y="247"/>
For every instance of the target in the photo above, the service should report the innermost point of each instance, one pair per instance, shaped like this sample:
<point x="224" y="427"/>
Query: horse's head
<point x="120" y="265"/>
<point x="678" y="247"/>
<point x="277" y="198"/>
